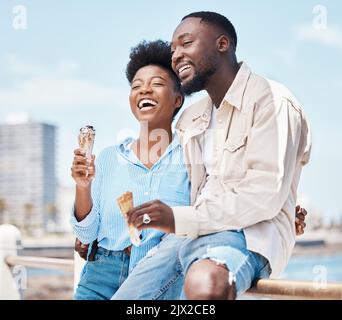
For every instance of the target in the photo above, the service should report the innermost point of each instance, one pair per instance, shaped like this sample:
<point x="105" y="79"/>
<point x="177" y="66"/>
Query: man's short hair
<point x="217" y="20"/>
<point x="153" y="53"/>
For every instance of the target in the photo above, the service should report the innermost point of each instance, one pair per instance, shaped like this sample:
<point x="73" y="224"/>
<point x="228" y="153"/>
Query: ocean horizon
<point x="306" y="268"/>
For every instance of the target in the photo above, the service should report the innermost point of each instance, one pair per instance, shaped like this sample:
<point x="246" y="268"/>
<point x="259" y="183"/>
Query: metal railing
<point x="41" y="263"/>
<point x="277" y="289"/>
<point x="289" y="289"/>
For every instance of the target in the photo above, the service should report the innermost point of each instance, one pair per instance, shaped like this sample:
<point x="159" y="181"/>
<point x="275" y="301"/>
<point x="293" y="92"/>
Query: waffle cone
<point x="125" y="203"/>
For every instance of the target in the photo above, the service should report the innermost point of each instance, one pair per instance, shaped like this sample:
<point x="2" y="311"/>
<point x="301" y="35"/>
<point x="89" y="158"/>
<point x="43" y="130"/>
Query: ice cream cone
<point x="125" y="203"/>
<point x="86" y="139"/>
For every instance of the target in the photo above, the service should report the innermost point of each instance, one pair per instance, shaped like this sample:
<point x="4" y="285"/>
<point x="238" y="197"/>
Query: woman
<point x="150" y="167"/>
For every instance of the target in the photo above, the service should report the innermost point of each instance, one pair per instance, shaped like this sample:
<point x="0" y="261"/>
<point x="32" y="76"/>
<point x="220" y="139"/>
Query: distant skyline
<point x="63" y="62"/>
<point x="27" y="174"/>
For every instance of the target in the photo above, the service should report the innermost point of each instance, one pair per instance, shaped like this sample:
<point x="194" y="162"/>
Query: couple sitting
<point x="215" y="201"/>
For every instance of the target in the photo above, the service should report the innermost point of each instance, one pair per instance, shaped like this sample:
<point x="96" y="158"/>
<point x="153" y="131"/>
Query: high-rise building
<point x="27" y="174"/>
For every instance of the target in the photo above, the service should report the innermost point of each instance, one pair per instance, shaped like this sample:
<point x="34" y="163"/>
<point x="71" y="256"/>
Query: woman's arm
<point x="83" y="202"/>
<point x="85" y="215"/>
<point x="83" y="174"/>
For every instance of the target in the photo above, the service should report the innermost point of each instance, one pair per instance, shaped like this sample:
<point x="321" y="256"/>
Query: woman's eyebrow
<point x="136" y="80"/>
<point x="159" y="77"/>
<point x="154" y="77"/>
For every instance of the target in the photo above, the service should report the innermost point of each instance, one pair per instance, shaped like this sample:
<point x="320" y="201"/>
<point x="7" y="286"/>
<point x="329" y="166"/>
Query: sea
<point x="314" y="268"/>
<point x="307" y="268"/>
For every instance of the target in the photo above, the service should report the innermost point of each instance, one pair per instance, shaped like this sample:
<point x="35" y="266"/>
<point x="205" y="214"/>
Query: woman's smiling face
<point x="153" y="97"/>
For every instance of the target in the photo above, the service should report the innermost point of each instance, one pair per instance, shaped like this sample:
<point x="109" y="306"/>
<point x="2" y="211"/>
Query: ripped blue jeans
<point x="227" y="248"/>
<point x="160" y="275"/>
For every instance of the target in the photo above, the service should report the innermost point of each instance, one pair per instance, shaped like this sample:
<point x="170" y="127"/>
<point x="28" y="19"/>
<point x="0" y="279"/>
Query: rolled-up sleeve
<point x="87" y="229"/>
<point x="273" y="151"/>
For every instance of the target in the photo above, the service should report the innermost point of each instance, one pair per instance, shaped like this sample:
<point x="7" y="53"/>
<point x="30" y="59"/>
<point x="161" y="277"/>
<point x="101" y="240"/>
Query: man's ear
<point x="223" y="43"/>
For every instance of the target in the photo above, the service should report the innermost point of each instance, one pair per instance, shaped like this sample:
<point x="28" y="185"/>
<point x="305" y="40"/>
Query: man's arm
<point x="272" y="154"/>
<point x="162" y="218"/>
<point x="271" y="158"/>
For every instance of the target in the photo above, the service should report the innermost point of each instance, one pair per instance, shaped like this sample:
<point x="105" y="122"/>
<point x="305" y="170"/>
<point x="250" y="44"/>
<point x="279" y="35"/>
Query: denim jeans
<point x="160" y="275"/>
<point x="101" y="278"/>
<point x="157" y="276"/>
<point x="227" y="248"/>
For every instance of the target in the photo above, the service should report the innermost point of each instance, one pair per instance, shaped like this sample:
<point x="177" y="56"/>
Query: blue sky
<point x="67" y="68"/>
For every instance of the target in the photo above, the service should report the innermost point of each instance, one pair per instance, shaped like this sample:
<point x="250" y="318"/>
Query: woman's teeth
<point x="146" y="103"/>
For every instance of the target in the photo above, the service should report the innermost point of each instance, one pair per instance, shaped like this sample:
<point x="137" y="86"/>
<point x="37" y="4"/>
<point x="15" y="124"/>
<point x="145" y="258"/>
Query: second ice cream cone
<point x="125" y="203"/>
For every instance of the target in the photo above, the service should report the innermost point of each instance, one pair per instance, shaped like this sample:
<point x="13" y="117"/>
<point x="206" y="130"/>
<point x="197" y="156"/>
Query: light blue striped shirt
<point x="119" y="170"/>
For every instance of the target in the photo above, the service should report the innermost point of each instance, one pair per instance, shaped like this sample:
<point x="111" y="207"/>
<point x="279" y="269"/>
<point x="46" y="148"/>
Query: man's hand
<point x="161" y="216"/>
<point x="81" y="249"/>
<point x="300" y="218"/>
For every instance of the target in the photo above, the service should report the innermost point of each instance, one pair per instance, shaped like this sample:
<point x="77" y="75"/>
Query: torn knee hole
<point x="231" y="276"/>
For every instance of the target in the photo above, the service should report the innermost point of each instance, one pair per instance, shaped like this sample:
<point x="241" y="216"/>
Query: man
<point x="245" y="145"/>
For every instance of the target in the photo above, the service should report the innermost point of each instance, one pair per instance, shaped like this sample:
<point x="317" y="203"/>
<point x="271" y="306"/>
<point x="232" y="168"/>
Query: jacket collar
<point x="201" y="111"/>
<point x="234" y="95"/>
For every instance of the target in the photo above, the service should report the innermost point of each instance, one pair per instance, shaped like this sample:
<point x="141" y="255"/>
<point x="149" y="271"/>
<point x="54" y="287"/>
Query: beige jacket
<point x="261" y="142"/>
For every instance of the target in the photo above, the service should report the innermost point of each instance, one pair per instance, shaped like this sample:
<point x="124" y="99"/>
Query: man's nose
<point x="177" y="56"/>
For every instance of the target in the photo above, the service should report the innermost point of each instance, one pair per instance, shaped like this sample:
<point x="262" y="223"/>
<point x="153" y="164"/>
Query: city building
<point x="27" y="174"/>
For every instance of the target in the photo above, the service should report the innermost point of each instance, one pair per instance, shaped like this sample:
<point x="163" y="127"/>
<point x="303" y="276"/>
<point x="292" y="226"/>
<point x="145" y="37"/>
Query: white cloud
<point x="331" y="36"/>
<point x="55" y="88"/>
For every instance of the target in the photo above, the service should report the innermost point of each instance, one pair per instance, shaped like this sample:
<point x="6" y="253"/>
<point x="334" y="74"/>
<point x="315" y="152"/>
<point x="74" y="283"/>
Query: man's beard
<point x="200" y="79"/>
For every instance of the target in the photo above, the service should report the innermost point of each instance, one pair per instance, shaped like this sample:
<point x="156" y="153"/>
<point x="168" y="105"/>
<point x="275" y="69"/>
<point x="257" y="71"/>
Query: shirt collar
<point x="234" y="95"/>
<point x="124" y="148"/>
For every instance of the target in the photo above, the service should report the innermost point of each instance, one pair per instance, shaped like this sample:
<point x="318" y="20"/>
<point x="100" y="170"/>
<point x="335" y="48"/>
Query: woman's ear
<point x="223" y="43"/>
<point x="179" y="101"/>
